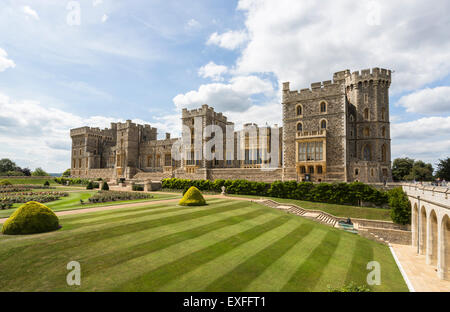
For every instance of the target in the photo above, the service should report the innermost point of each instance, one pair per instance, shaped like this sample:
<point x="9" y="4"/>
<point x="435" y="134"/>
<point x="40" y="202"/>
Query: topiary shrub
<point x="46" y="184"/>
<point x="193" y="197"/>
<point x="105" y="186"/>
<point x="5" y="182"/>
<point x="30" y="218"/>
<point x="90" y="186"/>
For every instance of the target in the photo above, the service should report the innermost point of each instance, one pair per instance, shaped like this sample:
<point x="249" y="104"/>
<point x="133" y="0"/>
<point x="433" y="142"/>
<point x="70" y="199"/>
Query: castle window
<point x="383" y="132"/>
<point x="299" y="126"/>
<point x="302" y="169"/>
<point x="168" y="160"/>
<point x="310" y="151"/>
<point x="366" y="153"/>
<point x="299" y="110"/>
<point x="366" y="114"/>
<point x="352" y="118"/>
<point x="149" y="161"/>
<point x="366" y="98"/>
<point x="323" y="107"/>
<point x="311" y="169"/>
<point x="371" y="172"/>
<point x="356" y="171"/>
<point x="366" y="132"/>
<point x="319" y="169"/>
<point x="323" y="124"/>
<point x="383" y="112"/>
<point x="383" y="153"/>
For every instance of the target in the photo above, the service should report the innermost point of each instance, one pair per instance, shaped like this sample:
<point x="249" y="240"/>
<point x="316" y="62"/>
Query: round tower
<point x="368" y="100"/>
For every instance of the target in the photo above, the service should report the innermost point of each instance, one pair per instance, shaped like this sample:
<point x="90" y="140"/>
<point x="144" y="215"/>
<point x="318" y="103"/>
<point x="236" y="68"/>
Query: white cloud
<point x="192" y="23"/>
<point x="235" y="96"/>
<point x="104" y="18"/>
<point x="427" y="139"/>
<point x="213" y="71"/>
<point x="427" y="101"/>
<point x="35" y="135"/>
<point x="4" y="61"/>
<point x="96" y="2"/>
<point x="306" y="41"/>
<point x="30" y="12"/>
<point x="229" y="40"/>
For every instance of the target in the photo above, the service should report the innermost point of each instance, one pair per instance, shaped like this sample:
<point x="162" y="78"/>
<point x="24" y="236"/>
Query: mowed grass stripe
<point x="139" y="266"/>
<point x="153" y="280"/>
<point x="391" y="278"/>
<point x="201" y="277"/>
<point x="107" y="260"/>
<point x="362" y="254"/>
<point x="310" y="271"/>
<point x="55" y="260"/>
<point x="247" y="271"/>
<point x="339" y="264"/>
<point x="280" y="272"/>
<point x="96" y="235"/>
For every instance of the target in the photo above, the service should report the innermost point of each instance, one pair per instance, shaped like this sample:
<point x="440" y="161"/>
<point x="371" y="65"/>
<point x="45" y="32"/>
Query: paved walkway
<point x="422" y="276"/>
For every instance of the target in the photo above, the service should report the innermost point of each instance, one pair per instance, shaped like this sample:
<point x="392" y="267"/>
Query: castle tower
<point x="368" y="128"/>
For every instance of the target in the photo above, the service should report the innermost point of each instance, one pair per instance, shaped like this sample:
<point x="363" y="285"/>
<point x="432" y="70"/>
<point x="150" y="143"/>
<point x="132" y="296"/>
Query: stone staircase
<point x="315" y="215"/>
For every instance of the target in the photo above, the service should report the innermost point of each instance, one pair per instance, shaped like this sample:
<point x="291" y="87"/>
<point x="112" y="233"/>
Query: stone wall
<point x="251" y="174"/>
<point x="387" y="235"/>
<point x="107" y="173"/>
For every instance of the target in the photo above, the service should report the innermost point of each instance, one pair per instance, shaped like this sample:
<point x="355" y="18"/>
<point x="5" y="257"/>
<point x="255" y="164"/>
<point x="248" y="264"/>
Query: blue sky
<point x="146" y="60"/>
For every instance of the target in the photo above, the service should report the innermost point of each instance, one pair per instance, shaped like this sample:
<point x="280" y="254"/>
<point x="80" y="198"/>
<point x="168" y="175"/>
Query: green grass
<point x="72" y="202"/>
<point x="334" y="209"/>
<point x="227" y="245"/>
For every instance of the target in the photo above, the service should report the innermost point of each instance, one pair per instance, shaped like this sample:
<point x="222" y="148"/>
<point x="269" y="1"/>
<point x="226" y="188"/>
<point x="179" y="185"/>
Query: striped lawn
<point x="227" y="245"/>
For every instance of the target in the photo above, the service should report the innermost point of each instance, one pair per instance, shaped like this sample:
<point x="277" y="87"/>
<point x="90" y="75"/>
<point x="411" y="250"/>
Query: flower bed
<point x="8" y="199"/>
<point x="21" y="188"/>
<point x="109" y="196"/>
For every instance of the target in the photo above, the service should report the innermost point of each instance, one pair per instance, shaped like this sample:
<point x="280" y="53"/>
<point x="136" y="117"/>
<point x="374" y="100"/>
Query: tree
<point x="66" y="173"/>
<point x="401" y="167"/>
<point x="421" y="172"/>
<point x="400" y="206"/>
<point x="7" y="165"/>
<point x="443" y="169"/>
<point x="105" y="186"/>
<point x="39" y="172"/>
<point x="26" y="172"/>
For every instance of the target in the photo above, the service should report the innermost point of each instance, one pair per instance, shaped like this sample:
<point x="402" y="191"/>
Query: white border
<point x="405" y="277"/>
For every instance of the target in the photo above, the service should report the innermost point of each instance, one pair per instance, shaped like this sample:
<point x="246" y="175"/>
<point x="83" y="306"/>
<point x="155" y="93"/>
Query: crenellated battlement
<point x="374" y="74"/>
<point x="90" y="131"/>
<point x="204" y="110"/>
<point x="318" y="89"/>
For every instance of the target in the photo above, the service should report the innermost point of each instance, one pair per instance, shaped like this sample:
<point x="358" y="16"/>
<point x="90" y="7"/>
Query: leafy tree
<point x="39" y="172"/>
<point x="443" y="169"/>
<point x="400" y="206"/>
<point x="66" y="173"/>
<point x="26" y="172"/>
<point x="105" y="186"/>
<point x="421" y="172"/>
<point x="401" y="167"/>
<point x="7" y="165"/>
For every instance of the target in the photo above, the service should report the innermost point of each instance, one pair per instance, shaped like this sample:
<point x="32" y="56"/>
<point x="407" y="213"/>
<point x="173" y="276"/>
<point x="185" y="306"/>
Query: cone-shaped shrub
<point x="193" y="197"/>
<point x="105" y="186"/>
<point x="32" y="217"/>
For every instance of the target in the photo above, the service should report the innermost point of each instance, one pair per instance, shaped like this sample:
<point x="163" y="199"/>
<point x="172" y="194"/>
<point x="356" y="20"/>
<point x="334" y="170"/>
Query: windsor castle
<point x="337" y="130"/>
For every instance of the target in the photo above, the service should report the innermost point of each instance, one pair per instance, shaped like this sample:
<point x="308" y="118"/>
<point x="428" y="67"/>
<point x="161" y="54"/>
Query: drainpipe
<point x="419" y="211"/>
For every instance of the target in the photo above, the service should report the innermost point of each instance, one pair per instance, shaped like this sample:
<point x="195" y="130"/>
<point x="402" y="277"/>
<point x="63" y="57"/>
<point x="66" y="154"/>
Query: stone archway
<point x="433" y="238"/>
<point x="414" y="224"/>
<point x="423" y="231"/>
<point x="445" y="248"/>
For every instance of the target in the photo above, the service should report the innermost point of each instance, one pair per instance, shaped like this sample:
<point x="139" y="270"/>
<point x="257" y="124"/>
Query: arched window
<point x="383" y="112"/>
<point x="366" y="114"/>
<point x="323" y="107"/>
<point x="299" y="126"/>
<point x="299" y="110"/>
<point x="366" y="131"/>
<point x="366" y="153"/>
<point x="383" y="153"/>
<point x="352" y="118"/>
<point x="323" y="124"/>
<point x="383" y="132"/>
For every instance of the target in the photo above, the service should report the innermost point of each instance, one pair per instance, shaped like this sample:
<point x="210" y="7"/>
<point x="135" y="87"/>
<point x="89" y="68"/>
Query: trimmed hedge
<point x="334" y="193"/>
<point x="5" y="182"/>
<point x="193" y="197"/>
<point x="30" y="218"/>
